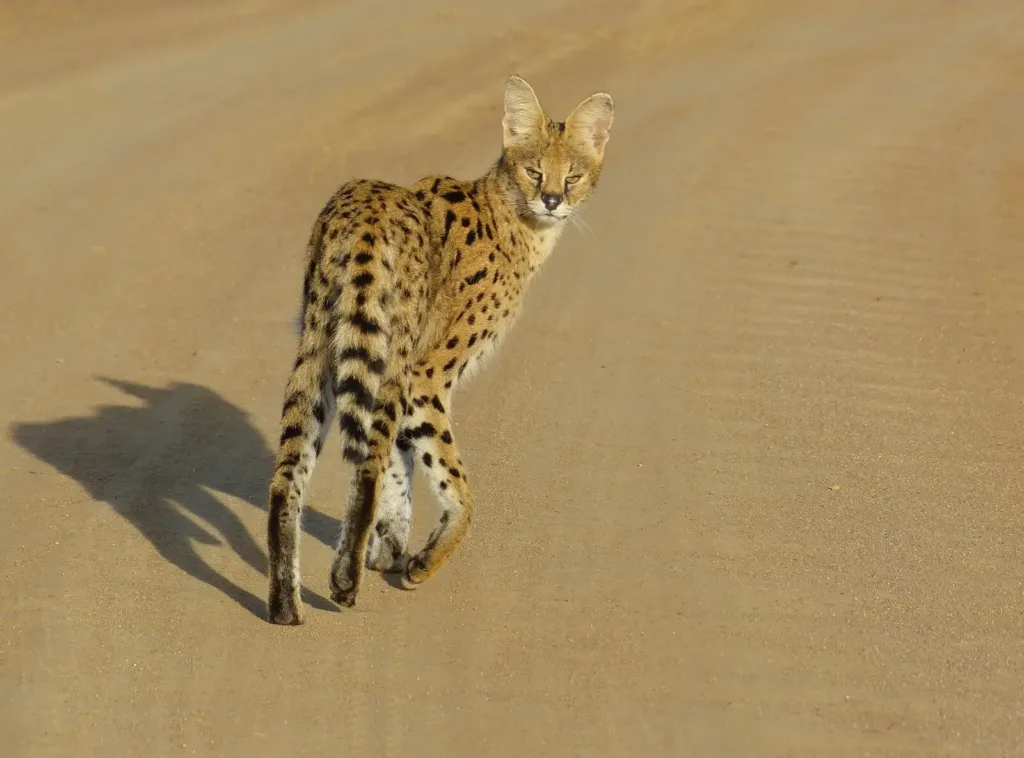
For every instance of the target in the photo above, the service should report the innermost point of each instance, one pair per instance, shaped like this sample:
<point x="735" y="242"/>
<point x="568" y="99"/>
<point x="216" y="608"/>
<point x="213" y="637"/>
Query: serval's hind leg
<point x="389" y="539"/>
<point x="308" y="409"/>
<point x="350" y="556"/>
<point x="428" y="428"/>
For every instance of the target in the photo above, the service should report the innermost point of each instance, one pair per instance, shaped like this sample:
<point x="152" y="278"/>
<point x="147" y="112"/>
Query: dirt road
<point x="749" y="468"/>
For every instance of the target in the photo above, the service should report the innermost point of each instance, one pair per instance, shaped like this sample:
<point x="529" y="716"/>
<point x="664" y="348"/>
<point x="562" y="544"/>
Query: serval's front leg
<point x="428" y="429"/>
<point x="350" y="555"/>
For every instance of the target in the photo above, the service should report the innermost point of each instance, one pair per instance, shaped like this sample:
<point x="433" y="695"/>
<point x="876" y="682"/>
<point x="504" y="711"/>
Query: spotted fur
<point x="407" y="292"/>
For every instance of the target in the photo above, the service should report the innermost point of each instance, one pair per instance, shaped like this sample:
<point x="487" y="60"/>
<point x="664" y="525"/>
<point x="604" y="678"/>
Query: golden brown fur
<point x="407" y="291"/>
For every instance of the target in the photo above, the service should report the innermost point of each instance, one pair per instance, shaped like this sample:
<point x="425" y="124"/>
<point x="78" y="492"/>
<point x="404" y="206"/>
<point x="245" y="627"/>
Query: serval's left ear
<point x="591" y="121"/>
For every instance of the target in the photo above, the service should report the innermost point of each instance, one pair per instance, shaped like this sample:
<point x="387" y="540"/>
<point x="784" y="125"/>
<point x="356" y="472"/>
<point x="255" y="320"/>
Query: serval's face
<point x="554" y="165"/>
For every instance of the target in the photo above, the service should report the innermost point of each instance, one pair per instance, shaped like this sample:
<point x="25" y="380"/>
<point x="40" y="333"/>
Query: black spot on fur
<point x="427" y="460"/>
<point x="449" y="219"/>
<point x="278" y="502"/>
<point x="361" y="354"/>
<point x="455" y="196"/>
<point x="363" y="280"/>
<point x="290" y="432"/>
<point x="368" y="238"/>
<point x="436" y="402"/>
<point x="353" y="454"/>
<point x="351" y="385"/>
<point x="453" y="342"/>
<point x="363" y="323"/>
<point x="446" y="437"/>
<point x="350" y="425"/>
<point x="425" y="429"/>
<point x="450" y="364"/>
<point x="471" y="280"/>
<point x="471" y="237"/>
<point x="364" y="258"/>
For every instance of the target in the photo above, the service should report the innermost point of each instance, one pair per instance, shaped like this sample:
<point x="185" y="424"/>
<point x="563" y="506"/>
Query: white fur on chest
<point x="545" y="239"/>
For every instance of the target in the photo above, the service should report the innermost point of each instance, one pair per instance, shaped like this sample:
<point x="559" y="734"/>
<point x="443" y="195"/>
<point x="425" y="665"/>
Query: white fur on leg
<point x="394" y="514"/>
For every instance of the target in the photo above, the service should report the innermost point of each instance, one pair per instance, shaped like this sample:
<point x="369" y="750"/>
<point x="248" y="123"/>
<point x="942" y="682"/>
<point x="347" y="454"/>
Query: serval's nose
<point x="551" y="201"/>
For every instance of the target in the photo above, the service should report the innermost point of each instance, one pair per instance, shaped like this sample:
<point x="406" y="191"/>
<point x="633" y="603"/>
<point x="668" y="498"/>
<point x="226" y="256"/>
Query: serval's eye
<point x="573" y="179"/>
<point x="534" y="174"/>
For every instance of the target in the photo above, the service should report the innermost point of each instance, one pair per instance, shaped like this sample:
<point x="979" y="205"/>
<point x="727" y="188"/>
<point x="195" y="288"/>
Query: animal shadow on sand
<point x="159" y="466"/>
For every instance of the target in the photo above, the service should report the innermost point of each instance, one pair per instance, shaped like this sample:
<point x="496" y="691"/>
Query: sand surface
<point x="749" y="468"/>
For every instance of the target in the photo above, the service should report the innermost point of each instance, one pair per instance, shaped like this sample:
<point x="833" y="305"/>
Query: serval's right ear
<point x="524" y="118"/>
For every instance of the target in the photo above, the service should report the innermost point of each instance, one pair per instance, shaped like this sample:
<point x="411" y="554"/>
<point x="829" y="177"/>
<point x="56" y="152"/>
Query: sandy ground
<point x="748" y="469"/>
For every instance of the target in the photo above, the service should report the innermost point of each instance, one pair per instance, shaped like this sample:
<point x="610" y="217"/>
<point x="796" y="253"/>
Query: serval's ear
<point x="524" y="118"/>
<point x="591" y="121"/>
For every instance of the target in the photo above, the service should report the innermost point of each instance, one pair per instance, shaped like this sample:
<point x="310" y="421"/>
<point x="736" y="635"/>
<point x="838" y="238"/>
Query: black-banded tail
<point x="361" y="339"/>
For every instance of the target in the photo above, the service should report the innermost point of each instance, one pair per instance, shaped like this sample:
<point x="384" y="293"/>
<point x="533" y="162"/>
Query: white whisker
<point x="582" y="225"/>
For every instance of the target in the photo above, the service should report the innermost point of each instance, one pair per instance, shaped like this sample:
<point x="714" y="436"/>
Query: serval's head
<point x="553" y="165"/>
